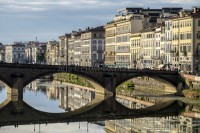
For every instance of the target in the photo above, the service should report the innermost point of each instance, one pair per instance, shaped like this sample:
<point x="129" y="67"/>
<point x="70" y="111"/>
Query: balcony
<point x="109" y="53"/>
<point x="122" y="50"/>
<point x="110" y="34"/>
<point x="85" y="52"/>
<point x="123" y="32"/>
<point x="155" y="57"/>
<point x="183" y="53"/>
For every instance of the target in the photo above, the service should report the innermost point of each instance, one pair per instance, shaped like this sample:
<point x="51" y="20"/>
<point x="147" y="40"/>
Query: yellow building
<point x="135" y="50"/>
<point x="52" y="53"/>
<point x="118" y="32"/>
<point x="186" y="40"/>
<point x="110" y="30"/>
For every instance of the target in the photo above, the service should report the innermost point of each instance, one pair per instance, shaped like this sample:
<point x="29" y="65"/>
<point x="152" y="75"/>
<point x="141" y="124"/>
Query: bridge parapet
<point x="104" y="78"/>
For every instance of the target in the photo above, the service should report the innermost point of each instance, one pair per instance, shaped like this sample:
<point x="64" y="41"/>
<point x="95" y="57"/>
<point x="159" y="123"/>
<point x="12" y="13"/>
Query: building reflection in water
<point x="70" y="96"/>
<point x="186" y="123"/>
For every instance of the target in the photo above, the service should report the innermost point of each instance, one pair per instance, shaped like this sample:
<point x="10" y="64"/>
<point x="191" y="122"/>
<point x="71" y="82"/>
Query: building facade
<point x="52" y="53"/>
<point x="15" y="53"/>
<point x="135" y="50"/>
<point x="185" y="41"/>
<point x="118" y="33"/>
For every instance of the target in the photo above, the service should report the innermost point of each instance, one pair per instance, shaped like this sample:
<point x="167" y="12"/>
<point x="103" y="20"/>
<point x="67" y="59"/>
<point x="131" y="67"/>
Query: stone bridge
<point x="15" y="111"/>
<point x="17" y="76"/>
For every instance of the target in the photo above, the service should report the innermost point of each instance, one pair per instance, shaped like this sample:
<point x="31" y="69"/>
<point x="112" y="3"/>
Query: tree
<point x="41" y="57"/>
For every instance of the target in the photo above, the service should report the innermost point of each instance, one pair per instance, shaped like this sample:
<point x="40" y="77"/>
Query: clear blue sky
<point x="24" y="20"/>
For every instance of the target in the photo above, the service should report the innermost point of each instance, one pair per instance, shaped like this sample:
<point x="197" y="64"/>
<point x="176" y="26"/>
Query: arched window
<point x="100" y="47"/>
<point x="94" y="48"/>
<point x="94" y="42"/>
<point x="94" y="56"/>
<point x="100" y="57"/>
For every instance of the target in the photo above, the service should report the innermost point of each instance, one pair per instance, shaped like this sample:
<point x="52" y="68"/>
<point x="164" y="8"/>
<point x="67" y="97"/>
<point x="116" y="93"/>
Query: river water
<point x="52" y="96"/>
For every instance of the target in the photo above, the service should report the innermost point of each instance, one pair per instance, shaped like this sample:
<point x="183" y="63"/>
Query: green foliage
<point x="127" y="86"/>
<point x="73" y="79"/>
<point x="41" y="57"/>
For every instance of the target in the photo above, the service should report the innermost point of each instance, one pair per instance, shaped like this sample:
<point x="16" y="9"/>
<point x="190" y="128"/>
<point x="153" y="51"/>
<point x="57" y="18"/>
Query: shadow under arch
<point x="91" y="112"/>
<point x="31" y="115"/>
<point x="150" y="102"/>
<point x="7" y="83"/>
<point x="93" y="80"/>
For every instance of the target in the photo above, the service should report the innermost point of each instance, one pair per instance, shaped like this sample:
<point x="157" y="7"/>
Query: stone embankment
<point x="194" y="86"/>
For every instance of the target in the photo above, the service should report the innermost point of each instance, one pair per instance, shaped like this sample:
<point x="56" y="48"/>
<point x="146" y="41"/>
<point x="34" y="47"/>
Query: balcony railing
<point x="110" y="34"/>
<point x="122" y="50"/>
<point x="122" y="32"/>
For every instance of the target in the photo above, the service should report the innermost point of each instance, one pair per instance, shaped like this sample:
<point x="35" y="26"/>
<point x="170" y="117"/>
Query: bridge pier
<point x="110" y="84"/>
<point x="110" y="105"/>
<point x="15" y="94"/>
<point x="180" y="87"/>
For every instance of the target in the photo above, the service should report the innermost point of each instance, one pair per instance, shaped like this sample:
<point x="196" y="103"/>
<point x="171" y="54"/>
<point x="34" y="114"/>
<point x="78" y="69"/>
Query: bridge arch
<point x="168" y="79"/>
<point x="92" y="79"/>
<point x="7" y="83"/>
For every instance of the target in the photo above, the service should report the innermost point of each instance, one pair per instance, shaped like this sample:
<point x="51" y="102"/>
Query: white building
<point x="147" y="48"/>
<point x="15" y="53"/>
<point x="2" y="52"/>
<point x="31" y="54"/>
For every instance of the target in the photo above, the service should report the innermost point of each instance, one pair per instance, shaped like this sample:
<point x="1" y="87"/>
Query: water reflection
<point x="52" y="96"/>
<point x="55" y="128"/>
<point x="177" y="124"/>
<point x="187" y="122"/>
<point x="2" y="92"/>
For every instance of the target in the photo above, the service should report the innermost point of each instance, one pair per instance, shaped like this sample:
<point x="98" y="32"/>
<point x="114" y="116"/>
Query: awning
<point x="161" y="66"/>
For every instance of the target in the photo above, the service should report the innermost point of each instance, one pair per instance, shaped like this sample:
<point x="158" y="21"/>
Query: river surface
<point x="52" y="96"/>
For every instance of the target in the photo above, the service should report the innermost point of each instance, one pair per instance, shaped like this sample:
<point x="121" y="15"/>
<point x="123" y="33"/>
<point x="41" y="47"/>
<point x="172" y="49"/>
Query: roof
<point x="152" y="9"/>
<point x="100" y="28"/>
<point x="150" y="29"/>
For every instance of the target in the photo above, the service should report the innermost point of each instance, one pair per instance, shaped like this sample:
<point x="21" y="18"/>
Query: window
<point x="100" y="35"/>
<point x="94" y="35"/>
<point x="94" y="42"/>
<point x="94" y="48"/>
<point x="100" y="42"/>
<point x="198" y="35"/>
<point x="199" y="23"/>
